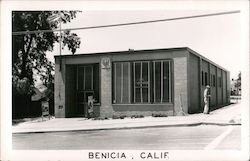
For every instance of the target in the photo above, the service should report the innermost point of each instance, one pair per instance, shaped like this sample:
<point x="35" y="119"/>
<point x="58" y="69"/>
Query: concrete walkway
<point x="228" y="115"/>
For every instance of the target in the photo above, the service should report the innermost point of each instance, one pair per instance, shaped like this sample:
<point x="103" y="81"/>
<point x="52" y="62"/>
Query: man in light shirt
<point x="206" y="99"/>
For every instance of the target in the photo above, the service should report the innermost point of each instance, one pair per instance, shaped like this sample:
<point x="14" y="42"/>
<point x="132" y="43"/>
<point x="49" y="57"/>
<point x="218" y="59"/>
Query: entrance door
<point x="87" y="85"/>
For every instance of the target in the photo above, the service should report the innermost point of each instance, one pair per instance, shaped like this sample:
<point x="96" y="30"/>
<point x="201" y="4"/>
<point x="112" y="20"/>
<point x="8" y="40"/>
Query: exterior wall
<point x="224" y="87"/>
<point x="228" y="88"/>
<point x="106" y="109"/>
<point x="60" y="89"/>
<point x="219" y="95"/>
<point x="152" y="55"/>
<point x="180" y="85"/>
<point x="88" y="59"/>
<point x="219" y="89"/>
<point x="146" y="109"/>
<point x="194" y="84"/>
<point x="213" y="88"/>
<point x="204" y="68"/>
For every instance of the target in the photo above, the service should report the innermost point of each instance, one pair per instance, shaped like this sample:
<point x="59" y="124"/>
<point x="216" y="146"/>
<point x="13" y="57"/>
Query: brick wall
<point x="106" y="109"/>
<point x="180" y="85"/>
<point x="144" y="113"/>
<point x="60" y="89"/>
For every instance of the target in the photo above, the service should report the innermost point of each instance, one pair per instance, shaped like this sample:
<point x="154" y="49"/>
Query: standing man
<point x="206" y="99"/>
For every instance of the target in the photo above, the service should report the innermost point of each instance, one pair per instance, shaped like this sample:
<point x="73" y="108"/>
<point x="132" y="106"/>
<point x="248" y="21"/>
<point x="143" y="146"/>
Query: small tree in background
<point x="29" y="51"/>
<point x="238" y="84"/>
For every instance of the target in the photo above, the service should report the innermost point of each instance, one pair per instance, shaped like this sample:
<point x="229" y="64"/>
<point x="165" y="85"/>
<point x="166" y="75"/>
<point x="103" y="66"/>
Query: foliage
<point x="238" y="81"/>
<point x="159" y="115"/>
<point x="137" y="116"/>
<point x="118" y="116"/>
<point x="236" y="90"/>
<point x="29" y="50"/>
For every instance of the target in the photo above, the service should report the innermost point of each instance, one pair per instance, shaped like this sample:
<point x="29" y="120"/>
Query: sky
<point x="216" y="37"/>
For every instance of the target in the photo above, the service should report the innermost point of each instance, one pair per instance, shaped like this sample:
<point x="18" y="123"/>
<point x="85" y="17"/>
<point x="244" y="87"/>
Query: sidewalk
<point x="228" y="115"/>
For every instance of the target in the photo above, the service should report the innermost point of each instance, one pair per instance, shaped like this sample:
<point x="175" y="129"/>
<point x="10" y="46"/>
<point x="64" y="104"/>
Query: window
<point x="122" y="82"/>
<point x="162" y="81"/>
<point x="142" y="82"/>
<point x="206" y="79"/>
<point x="202" y="78"/>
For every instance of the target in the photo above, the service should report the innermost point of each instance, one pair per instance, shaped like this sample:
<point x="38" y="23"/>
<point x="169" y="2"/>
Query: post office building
<point x="138" y="82"/>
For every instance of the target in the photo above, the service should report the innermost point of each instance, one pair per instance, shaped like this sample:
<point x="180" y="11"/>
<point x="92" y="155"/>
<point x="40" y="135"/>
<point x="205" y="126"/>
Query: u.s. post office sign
<point x="105" y="63"/>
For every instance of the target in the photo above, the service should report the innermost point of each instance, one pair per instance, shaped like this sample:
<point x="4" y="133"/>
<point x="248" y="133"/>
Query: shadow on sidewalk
<point x="221" y="107"/>
<point x="16" y="122"/>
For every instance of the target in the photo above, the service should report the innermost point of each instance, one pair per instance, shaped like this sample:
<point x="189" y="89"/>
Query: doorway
<point x="87" y="85"/>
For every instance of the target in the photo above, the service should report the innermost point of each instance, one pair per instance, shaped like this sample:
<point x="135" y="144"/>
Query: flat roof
<point x="143" y="51"/>
<point x="124" y="51"/>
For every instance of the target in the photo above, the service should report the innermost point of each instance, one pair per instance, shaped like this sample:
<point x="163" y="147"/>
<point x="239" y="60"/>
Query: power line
<point x="125" y="24"/>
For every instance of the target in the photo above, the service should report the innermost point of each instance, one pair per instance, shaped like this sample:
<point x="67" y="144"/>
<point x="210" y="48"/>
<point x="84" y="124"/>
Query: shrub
<point x="115" y="117"/>
<point x="98" y="118"/>
<point x="159" y="115"/>
<point x="137" y="116"/>
<point x="118" y="117"/>
<point x="122" y="116"/>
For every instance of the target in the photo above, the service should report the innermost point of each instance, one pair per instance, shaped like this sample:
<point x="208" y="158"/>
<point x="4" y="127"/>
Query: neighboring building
<point x="36" y="101"/>
<point x="144" y="82"/>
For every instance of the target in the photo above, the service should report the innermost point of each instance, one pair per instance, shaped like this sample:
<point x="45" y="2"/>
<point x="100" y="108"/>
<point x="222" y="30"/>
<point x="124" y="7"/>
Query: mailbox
<point x="90" y="106"/>
<point x="45" y="108"/>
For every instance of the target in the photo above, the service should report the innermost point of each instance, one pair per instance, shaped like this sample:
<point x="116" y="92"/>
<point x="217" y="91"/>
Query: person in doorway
<point x="206" y="99"/>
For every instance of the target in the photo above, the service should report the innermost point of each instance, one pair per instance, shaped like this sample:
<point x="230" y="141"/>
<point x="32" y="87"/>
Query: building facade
<point x="144" y="82"/>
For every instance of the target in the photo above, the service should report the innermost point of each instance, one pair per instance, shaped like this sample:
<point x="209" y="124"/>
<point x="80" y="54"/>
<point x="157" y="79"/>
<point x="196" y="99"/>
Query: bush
<point x="100" y="118"/>
<point x="137" y="116"/>
<point x="118" y="117"/>
<point x="115" y="117"/>
<point x="159" y="115"/>
<point x="122" y="116"/>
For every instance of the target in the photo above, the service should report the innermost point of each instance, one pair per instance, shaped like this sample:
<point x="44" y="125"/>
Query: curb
<point x="135" y="127"/>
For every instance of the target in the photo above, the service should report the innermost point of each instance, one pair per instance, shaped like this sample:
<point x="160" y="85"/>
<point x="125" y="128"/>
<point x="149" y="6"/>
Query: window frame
<point x="150" y="80"/>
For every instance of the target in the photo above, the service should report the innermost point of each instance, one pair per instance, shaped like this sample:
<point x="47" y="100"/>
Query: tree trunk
<point x="24" y="58"/>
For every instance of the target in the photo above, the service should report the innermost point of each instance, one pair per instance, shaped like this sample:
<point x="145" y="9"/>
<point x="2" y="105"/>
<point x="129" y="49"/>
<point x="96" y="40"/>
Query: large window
<point x="142" y="82"/>
<point x="162" y="81"/>
<point x="121" y="83"/>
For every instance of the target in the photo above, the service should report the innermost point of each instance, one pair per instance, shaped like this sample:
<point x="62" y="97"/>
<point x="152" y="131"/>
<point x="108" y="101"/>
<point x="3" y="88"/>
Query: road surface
<point x="170" y="138"/>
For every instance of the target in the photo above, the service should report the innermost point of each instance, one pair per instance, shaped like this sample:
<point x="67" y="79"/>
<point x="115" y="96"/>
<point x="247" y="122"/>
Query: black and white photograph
<point x="125" y="81"/>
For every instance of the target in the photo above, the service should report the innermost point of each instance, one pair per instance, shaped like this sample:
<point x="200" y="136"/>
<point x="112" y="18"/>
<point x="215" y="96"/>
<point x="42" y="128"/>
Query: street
<point x="201" y="137"/>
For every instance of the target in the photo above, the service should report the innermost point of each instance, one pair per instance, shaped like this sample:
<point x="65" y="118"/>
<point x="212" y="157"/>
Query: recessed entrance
<point x="87" y="84"/>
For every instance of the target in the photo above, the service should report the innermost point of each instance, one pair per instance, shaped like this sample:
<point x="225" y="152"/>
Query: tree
<point x="238" y="84"/>
<point x="29" y="50"/>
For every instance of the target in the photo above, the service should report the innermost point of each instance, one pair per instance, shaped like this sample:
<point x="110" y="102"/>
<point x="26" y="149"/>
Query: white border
<point x="8" y="6"/>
